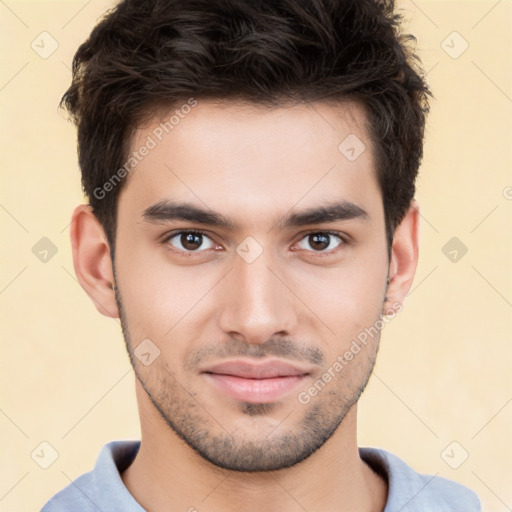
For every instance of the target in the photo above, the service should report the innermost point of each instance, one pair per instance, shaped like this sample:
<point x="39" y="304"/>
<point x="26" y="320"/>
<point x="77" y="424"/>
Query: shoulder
<point x="410" y="491"/>
<point x="101" y="488"/>
<point x="78" y="495"/>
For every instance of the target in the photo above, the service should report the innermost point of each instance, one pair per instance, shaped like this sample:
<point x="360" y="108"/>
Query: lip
<point x="261" y="382"/>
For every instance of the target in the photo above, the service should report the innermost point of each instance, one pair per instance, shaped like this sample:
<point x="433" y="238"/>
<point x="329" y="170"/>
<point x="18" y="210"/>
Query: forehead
<point x="248" y="159"/>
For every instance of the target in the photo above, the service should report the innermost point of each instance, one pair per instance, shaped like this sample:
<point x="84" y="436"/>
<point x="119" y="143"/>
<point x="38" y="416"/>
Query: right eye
<point x="188" y="241"/>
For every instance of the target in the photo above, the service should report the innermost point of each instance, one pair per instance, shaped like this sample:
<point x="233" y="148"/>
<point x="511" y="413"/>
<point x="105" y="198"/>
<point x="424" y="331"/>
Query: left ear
<point x="404" y="259"/>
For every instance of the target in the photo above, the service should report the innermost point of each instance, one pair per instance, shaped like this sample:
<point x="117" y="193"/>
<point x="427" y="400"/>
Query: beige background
<point x="443" y="373"/>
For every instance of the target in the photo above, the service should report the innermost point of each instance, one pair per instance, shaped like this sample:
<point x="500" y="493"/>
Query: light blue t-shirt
<point x="102" y="490"/>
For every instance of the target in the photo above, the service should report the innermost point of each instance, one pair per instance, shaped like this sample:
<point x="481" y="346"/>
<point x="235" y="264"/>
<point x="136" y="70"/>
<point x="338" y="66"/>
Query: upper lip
<point x="260" y="370"/>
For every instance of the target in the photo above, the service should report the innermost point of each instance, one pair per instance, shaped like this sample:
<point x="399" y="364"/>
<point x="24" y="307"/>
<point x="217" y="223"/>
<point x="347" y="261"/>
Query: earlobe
<point x="91" y="259"/>
<point x="404" y="260"/>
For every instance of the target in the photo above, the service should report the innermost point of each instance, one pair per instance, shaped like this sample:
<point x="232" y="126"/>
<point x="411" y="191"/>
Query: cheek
<point x="161" y="301"/>
<point x="348" y="297"/>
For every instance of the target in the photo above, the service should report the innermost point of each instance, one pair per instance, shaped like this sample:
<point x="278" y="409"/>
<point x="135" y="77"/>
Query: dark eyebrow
<point x="169" y="210"/>
<point x="344" y="210"/>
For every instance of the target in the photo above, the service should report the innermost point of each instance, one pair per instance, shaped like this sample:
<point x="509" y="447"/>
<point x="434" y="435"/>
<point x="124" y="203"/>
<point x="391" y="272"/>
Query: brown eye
<point x="190" y="241"/>
<point x="321" y="242"/>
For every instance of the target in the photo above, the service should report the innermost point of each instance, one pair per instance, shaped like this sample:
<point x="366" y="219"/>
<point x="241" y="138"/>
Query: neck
<point x="334" y="478"/>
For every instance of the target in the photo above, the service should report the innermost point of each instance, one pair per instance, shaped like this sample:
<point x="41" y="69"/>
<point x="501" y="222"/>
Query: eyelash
<point x="343" y="241"/>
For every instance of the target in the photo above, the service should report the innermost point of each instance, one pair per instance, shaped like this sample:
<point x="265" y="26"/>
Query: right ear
<point x="91" y="259"/>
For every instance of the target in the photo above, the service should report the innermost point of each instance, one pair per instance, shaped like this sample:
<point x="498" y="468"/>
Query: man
<point x="250" y="171"/>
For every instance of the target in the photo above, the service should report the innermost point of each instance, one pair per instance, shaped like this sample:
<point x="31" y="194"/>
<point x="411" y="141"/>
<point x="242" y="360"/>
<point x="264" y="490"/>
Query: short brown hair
<point x="151" y="54"/>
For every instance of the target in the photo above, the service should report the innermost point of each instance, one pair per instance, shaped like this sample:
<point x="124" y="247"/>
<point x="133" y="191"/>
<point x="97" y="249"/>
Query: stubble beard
<point x="199" y="427"/>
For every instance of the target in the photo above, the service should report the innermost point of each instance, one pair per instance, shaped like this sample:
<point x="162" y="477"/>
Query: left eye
<point x="189" y="241"/>
<point x="321" y="242"/>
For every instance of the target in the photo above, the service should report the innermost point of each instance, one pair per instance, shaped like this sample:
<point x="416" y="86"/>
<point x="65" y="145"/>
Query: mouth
<point x="260" y="383"/>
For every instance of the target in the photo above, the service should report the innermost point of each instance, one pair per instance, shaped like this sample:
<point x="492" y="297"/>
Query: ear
<point x="91" y="258"/>
<point x="404" y="259"/>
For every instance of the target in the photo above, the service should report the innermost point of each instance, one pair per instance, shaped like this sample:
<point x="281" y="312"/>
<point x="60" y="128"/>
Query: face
<point x="250" y="255"/>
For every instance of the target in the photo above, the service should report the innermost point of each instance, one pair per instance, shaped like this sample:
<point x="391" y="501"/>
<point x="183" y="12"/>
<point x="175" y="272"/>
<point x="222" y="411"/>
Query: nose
<point x="256" y="303"/>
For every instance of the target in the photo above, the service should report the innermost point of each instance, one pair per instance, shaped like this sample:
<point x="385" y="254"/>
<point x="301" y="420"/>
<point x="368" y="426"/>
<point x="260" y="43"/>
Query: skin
<point x="297" y="301"/>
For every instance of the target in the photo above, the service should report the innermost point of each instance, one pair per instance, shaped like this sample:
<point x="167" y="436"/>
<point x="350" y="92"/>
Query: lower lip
<point x="258" y="391"/>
